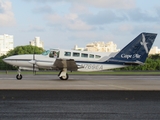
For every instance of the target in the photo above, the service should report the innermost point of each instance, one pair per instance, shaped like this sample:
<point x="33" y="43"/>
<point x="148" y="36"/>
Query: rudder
<point x="137" y="50"/>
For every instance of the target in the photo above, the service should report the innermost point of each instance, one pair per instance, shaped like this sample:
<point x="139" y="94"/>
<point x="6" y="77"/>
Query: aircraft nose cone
<point x="6" y="60"/>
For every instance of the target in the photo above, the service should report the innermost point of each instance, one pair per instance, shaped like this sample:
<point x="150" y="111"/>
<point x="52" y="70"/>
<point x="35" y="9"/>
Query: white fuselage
<point x="86" y="61"/>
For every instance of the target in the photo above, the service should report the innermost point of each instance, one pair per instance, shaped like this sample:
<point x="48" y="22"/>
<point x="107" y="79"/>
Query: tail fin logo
<point x="137" y="56"/>
<point x="144" y="43"/>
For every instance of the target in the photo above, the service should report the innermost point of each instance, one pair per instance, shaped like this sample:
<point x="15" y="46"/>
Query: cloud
<point x="138" y="28"/>
<point x="123" y="4"/>
<point x="68" y="22"/>
<point x="34" y="29"/>
<point x="43" y="9"/>
<point x="41" y="1"/>
<point x="103" y="17"/>
<point x="78" y="8"/>
<point x="85" y="17"/>
<point x="120" y="16"/>
<point x="125" y="27"/>
<point x="138" y="15"/>
<point x="6" y="14"/>
<point x="1" y="8"/>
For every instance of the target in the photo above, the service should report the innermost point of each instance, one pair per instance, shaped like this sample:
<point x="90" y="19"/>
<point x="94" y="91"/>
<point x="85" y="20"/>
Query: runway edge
<point x="88" y="95"/>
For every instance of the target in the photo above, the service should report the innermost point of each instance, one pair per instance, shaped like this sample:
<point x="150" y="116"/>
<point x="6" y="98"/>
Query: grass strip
<point x="88" y="73"/>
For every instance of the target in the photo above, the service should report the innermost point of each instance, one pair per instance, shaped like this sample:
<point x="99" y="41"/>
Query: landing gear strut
<point x="63" y="74"/>
<point x="19" y="76"/>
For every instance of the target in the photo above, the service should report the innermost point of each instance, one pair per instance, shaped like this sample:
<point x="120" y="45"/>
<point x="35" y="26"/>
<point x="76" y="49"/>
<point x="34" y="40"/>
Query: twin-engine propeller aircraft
<point x="135" y="53"/>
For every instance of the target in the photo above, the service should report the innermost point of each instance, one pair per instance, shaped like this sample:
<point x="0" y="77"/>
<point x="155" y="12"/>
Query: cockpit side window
<point x="53" y="54"/>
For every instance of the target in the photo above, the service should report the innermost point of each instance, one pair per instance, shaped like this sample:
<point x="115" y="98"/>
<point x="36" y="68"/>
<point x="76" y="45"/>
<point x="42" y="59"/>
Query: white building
<point x="154" y="50"/>
<point x="37" y="42"/>
<point x="78" y="48"/>
<point x="99" y="47"/>
<point x="6" y="44"/>
<point x="108" y="47"/>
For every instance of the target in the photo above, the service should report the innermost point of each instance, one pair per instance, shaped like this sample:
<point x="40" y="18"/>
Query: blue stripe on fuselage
<point x="105" y="62"/>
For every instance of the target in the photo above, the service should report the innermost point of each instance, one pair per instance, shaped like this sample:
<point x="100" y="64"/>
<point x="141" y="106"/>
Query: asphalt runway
<point x="79" y="105"/>
<point x="80" y="82"/>
<point x="89" y="97"/>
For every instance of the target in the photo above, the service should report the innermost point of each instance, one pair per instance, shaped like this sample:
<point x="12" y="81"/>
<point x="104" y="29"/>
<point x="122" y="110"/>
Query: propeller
<point x="34" y="63"/>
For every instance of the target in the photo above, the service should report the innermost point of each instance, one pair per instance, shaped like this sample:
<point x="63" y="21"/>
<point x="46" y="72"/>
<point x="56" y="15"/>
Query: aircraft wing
<point x="70" y="64"/>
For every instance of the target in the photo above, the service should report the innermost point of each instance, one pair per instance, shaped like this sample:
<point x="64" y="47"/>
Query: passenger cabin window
<point x="75" y="54"/>
<point x="67" y="53"/>
<point x="97" y="56"/>
<point x="84" y="55"/>
<point x="91" y="56"/>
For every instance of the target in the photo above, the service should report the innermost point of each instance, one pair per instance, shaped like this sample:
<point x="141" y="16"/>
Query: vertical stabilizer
<point x="137" y="50"/>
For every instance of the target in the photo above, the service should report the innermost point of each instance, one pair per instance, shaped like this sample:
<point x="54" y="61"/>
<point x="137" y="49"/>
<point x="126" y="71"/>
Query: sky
<point x="66" y="23"/>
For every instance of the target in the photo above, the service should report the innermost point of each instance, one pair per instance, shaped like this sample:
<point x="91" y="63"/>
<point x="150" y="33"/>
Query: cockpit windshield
<point x="46" y="52"/>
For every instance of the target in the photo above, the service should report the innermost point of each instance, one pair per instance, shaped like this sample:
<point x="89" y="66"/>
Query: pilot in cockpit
<point x="55" y="54"/>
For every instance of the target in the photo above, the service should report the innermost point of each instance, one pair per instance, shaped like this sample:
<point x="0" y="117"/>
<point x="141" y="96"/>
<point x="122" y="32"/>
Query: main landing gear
<point x="63" y="74"/>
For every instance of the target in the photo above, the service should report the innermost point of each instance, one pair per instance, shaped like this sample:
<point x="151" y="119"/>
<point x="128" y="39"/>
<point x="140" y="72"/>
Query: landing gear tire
<point x="19" y="76"/>
<point x="64" y="77"/>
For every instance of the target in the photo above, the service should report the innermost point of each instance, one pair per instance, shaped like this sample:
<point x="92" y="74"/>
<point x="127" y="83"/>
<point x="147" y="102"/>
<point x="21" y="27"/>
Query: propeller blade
<point x="33" y="68"/>
<point x="34" y="63"/>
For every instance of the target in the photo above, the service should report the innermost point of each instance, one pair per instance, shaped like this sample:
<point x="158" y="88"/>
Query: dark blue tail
<point x="137" y="50"/>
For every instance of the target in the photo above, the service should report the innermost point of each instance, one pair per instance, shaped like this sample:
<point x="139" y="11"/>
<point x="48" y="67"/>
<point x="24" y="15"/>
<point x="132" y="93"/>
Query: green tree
<point x="28" y="49"/>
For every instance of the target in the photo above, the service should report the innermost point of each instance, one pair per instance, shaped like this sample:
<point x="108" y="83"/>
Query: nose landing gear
<point x="19" y="76"/>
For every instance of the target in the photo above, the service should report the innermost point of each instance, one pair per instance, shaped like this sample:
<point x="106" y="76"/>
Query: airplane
<point x="135" y="53"/>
